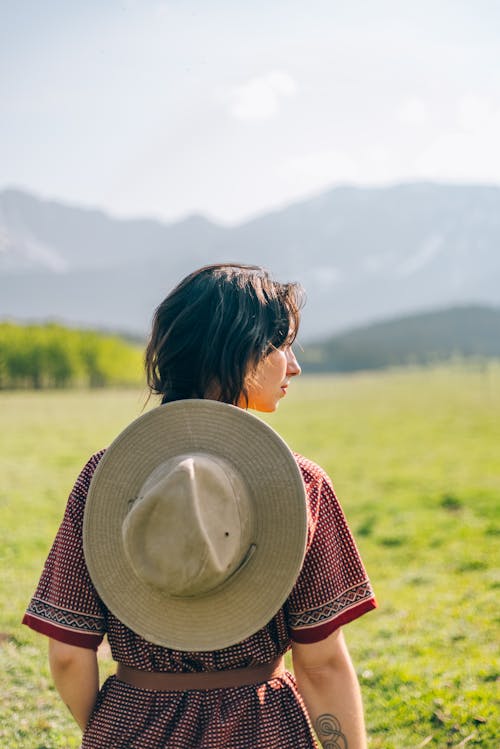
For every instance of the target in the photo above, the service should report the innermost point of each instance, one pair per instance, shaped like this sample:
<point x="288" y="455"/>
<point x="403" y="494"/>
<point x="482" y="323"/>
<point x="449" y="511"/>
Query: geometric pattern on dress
<point x="65" y="618"/>
<point x="328" y="611"/>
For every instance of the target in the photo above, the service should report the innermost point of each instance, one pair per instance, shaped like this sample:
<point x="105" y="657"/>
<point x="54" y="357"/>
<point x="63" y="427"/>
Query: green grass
<point x="415" y="459"/>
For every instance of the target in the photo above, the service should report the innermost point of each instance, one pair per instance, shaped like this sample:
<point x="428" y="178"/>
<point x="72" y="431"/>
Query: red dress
<point x="331" y="590"/>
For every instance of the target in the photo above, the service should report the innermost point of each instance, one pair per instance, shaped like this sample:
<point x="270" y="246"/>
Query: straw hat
<point x="195" y="525"/>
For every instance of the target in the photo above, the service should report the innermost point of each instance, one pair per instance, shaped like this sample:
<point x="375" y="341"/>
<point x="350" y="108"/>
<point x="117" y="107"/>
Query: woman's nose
<point x="292" y="365"/>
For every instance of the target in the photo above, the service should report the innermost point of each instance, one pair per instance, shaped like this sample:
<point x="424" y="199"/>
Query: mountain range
<point x="362" y="254"/>
<point x="419" y="339"/>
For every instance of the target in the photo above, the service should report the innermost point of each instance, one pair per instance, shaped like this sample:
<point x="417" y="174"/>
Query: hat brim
<point x="249" y="599"/>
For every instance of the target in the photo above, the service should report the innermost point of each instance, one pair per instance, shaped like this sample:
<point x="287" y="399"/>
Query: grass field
<point x="415" y="459"/>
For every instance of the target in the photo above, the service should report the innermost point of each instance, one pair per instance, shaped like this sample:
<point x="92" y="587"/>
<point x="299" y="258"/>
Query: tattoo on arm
<point x="329" y="733"/>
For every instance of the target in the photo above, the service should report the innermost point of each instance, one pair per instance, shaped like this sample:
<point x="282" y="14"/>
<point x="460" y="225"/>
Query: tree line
<point x="53" y="356"/>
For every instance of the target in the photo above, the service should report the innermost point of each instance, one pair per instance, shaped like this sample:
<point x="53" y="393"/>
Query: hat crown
<point x="189" y="529"/>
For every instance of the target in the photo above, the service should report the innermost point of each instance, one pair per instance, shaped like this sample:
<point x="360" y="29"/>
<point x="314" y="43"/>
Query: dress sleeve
<point x="332" y="588"/>
<point x="65" y="605"/>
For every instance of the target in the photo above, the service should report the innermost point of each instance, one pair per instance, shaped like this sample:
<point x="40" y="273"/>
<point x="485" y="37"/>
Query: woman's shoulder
<point x="82" y="483"/>
<point x="311" y="471"/>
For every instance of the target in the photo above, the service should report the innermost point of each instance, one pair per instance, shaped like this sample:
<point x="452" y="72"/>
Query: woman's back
<point x="271" y="714"/>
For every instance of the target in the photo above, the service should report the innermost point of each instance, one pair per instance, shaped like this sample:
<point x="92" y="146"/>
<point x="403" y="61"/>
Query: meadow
<point x="415" y="459"/>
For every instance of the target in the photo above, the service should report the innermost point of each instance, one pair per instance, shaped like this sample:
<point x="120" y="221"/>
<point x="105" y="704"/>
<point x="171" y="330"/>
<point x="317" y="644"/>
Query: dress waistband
<point x="236" y="677"/>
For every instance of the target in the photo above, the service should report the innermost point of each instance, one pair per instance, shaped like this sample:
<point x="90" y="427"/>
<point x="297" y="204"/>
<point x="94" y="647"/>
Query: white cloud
<point x="474" y="112"/>
<point x="259" y="98"/>
<point x="413" y="111"/>
<point x="468" y="151"/>
<point x="329" y="165"/>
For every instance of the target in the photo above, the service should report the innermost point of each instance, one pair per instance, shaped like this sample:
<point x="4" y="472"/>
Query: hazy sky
<point x="231" y="107"/>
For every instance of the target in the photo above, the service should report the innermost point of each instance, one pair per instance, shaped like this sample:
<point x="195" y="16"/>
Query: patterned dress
<point x="331" y="590"/>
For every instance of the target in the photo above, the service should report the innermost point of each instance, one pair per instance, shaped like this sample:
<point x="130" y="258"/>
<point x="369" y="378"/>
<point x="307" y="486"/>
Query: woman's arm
<point x="76" y="676"/>
<point x="329" y="686"/>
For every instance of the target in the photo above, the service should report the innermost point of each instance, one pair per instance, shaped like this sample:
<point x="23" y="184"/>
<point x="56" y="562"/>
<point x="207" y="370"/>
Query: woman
<point x="225" y="333"/>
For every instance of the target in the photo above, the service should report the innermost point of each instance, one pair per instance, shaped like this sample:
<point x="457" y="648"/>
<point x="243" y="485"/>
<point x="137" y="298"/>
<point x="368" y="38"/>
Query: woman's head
<point x="211" y="333"/>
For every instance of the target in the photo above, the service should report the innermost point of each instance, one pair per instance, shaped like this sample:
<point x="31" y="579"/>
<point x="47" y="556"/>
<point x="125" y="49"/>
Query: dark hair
<point x="214" y="328"/>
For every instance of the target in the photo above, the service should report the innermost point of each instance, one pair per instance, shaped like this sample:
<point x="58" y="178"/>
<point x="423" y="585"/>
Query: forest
<point x="53" y="356"/>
